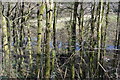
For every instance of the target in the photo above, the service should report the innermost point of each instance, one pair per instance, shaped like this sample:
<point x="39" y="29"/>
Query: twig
<point x="65" y="73"/>
<point x="104" y="70"/>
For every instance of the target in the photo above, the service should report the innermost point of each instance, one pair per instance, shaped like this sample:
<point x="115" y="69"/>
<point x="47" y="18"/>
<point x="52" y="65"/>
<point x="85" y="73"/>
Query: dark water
<point x="111" y="47"/>
<point x="60" y="44"/>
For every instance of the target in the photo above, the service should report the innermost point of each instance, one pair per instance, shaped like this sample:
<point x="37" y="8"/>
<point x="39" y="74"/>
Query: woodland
<point x="60" y="40"/>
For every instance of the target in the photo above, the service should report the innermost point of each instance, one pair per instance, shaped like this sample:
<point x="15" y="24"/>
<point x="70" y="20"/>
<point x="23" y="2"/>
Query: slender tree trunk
<point x="69" y="32"/>
<point x="5" y="45"/>
<point x="118" y="24"/>
<point x="39" y="35"/>
<point x="99" y="27"/>
<point x="102" y="40"/>
<point x="49" y="10"/>
<point x="106" y="26"/>
<point x="92" y="41"/>
<point x="54" y="39"/>
<point x="1" y="55"/>
<point x="21" y="25"/>
<point x="81" y="35"/>
<point x="21" y="39"/>
<point x="102" y="28"/>
<point x="17" y="38"/>
<point x="29" y="44"/>
<point x="54" y="26"/>
<point x="117" y="44"/>
<point x="73" y="43"/>
<point x="105" y="31"/>
<point x="99" y="35"/>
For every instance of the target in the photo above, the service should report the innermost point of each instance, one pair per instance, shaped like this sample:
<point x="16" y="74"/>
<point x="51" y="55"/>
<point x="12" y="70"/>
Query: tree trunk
<point x="73" y="42"/>
<point x="54" y="39"/>
<point x="49" y="10"/>
<point x="39" y="35"/>
<point x="99" y="35"/>
<point x="5" y="45"/>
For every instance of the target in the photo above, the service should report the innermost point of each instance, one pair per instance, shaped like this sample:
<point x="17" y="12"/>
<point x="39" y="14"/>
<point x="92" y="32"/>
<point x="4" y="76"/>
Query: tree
<point x="73" y="42"/>
<point x="39" y="33"/>
<point x="92" y="41"/>
<point x="54" y="38"/>
<point x="49" y="5"/>
<point x="5" y="43"/>
<point x="100" y="21"/>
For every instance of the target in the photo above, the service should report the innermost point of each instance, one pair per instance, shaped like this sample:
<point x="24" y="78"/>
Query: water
<point x="111" y="47"/>
<point x="60" y="44"/>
